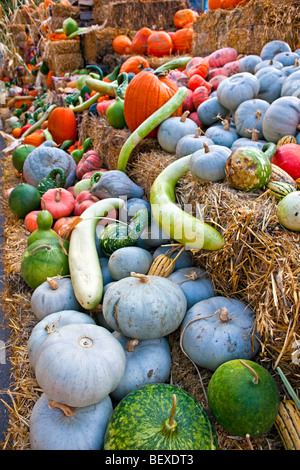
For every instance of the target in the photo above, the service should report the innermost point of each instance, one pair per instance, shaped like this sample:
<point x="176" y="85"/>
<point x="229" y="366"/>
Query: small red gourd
<point x="200" y="95"/>
<point x="59" y="202"/>
<point x="90" y="161"/>
<point x="196" y="80"/>
<point x="84" y="200"/>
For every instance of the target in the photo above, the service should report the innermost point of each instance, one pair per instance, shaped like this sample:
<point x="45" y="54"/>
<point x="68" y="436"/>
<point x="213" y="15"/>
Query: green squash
<point x="19" y="156"/>
<point x="44" y="222"/>
<point x="118" y="235"/>
<point x="159" y="417"/>
<point x="51" y="181"/>
<point x="115" y="114"/>
<point x="249" y="168"/>
<point x="243" y="398"/>
<point x="70" y="26"/>
<point x="23" y="199"/>
<point x="45" y="258"/>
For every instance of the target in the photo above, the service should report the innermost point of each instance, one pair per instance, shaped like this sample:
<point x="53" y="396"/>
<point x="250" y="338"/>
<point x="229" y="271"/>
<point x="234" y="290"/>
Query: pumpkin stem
<point x="297" y="63"/>
<point x="48" y="247"/>
<point x="184" y="116"/>
<point x="249" y="442"/>
<point x="171" y="422"/>
<point x="57" y="196"/>
<point x="226" y="124"/>
<point x="206" y="147"/>
<point x="198" y="133"/>
<point x="131" y="344"/>
<point x="52" y="283"/>
<point x="255" y="380"/>
<point x="193" y="276"/>
<point x="224" y="314"/>
<point x="67" y="410"/>
<point x="142" y="277"/>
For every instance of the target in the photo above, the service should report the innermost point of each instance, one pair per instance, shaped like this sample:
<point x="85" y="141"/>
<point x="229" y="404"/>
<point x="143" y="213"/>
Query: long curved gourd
<point x="106" y="88"/>
<point x="84" y="263"/>
<point x="178" y="224"/>
<point x="179" y="63"/>
<point x="149" y="124"/>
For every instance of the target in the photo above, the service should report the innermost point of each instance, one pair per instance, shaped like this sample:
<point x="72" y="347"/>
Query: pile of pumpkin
<point x="154" y="43"/>
<point x="146" y="290"/>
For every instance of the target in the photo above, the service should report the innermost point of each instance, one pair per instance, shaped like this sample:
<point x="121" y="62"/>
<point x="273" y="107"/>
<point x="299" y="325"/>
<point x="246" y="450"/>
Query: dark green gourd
<point x="51" y="181"/>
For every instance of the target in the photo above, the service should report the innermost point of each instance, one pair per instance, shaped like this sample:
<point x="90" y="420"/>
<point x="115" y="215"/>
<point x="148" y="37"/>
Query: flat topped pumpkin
<point x="145" y="94"/>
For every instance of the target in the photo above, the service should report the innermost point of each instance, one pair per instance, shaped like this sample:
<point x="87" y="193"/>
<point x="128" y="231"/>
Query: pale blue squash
<point x="125" y="260"/>
<point x="270" y="83"/>
<point x="291" y="85"/>
<point x="184" y="260"/>
<point x="268" y="64"/>
<point x="222" y="134"/>
<point x="286" y="58"/>
<point x="249" y="62"/>
<point x="209" y="110"/>
<point x="271" y="48"/>
<point x="148" y="361"/>
<point x="246" y="142"/>
<point x="218" y="330"/>
<point x="172" y="129"/>
<point x="249" y="115"/>
<point x="52" y="429"/>
<point x="208" y="164"/>
<point x="191" y="143"/>
<point x="238" y="88"/>
<point x="281" y="118"/>
<point x="195" y="282"/>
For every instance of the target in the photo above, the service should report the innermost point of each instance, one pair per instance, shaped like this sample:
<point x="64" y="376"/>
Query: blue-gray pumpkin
<point x="271" y="48"/>
<point x="115" y="183"/>
<point x="281" y="118"/>
<point x="57" y="427"/>
<point x="291" y="84"/>
<point x="184" y="258"/>
<point x="218" y="330"/>
<point x="148" y="361"/>
<point x="195" y="282"/>
<point x="191" y="143"/>
<point x="125" y="260"/>
<point x="268" y="64"/>
<point x="286" y="58"/>
<point x="209" y="111"/>
<point x="249" y="115"/>
<point x="223" y="133"/>
<point x="144" y="307"/>
<point x="270" y="83"/>
<point x="208" y="164"/>
<point x="172" y="129"/>
<point x="249" y="62"/>
<point x="238" y="88"/>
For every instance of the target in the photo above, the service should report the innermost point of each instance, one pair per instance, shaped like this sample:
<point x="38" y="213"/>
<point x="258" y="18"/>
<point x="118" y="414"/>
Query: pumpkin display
<point x="159" y="43"/>
<point x="121" y="44"/>
<point x="24" y="198"/>
<point x="208" y="164"/>
<point x="148" y="306"/>
<point x="219" y="329"/>
<point x="50" y="323"/>
<point x="148" y="361"/>
<point x="59" y="202"/>
<point x="137" y="103"/>
<point x="101" y="359"/>
<point x="139" y="42"/>
<point x="43" y="159"/>
<point x="53" y="295"/>
<point x="195" y="283"/>
<point x="62" y="124"/>
<point x="271" y="48"/>
<point x="44" y="258"/>
<point x="183" y="40"/>
<point x="57" y="427"/>
<point x="169" y="418"/>
<point x="243" y="397"/>
<point x="129" y="259"/>
<point x="172" y="129"/>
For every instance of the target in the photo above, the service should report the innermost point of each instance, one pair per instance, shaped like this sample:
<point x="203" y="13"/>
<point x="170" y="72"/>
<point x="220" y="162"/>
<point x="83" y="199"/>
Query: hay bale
<point x="135" y="15"/>
<point x="58" y="56"/>
<point x="54" y="48"/>
<point x="249" y="27"/>
<point x="98" y="43"/>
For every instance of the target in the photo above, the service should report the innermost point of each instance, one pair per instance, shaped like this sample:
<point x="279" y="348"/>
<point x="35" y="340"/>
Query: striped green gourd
<point x="279" y="189"/>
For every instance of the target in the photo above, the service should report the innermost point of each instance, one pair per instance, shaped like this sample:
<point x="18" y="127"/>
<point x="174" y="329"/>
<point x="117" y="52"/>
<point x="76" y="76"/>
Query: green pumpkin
<point x="44" y="222"/>
<point x="46" y="257"/>
<point x="159" y="417"/>
<point x="243" y="397"/>
<point x="23" y="199"/>
<point x="69" y="26"/>
<point x="249" y="168"/>
<point x="115" y="114"/>
<point x="19" y="156"/>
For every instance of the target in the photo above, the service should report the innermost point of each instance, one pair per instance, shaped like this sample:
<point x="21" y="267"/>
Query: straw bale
<point x="65" y="62"/>
<point x="98" y="43"/>
<point x="248" y="27"/>
<point x="135" y="15"/>
<point x="54" y="48"/>
<point x="61" y="12"/>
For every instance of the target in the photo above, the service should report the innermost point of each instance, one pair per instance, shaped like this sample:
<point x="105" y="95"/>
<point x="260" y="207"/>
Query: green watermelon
<point x="23" y="199"/>
<point x="241" y="402"/>
<point x="142" y="420"/>
<point x="19" y="156"/>
<point x="44" y="258"/>
<point x="70" y="26"/>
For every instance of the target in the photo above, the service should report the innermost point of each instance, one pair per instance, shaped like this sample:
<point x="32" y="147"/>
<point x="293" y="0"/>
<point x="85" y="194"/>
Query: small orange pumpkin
<point x="51" y="74"/>
<point x="58" y="201"/>
<point x="62" y="124"/>
<point x="184" y="17"/>
<point x="63" y="226"/>
<point x="159" y="44"/>
<point x="183" y="40"/>
<point x="139" y="42"/>
<point x="36" y="138"/>
<point x="134" y="64"/>
<point x="121" y="44"/>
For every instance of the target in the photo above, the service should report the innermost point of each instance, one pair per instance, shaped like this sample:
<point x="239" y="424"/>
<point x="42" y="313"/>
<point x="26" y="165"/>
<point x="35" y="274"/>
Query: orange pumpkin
<point x="62" y="125"/>
<point x="59" y="202"/>
<point x="36" y="138"/>
<point x="50" y="74"/>
<point x="196" y="80"/>
<point x="139" y="42"/>
<point x="121" y="44"/>
<point x="30" y="220"/>
<point x="200" y="95"/>
<point x="19" y="103"/>
<point x="63" y="226"/>
<point x="184" y="17"/>
<point x="17" y="132"/>
<point x="159" y="44"/>
<point x="134" y="64"/>
<point x="145" y="94"/>
<point x="183" y="40"/>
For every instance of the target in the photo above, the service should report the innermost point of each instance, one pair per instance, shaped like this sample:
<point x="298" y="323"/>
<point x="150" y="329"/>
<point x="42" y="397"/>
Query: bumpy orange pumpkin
<point x="145" y="94"/>
<point x="36" y="138"/>
<point x="184" y="17"/>
<point x="159" y="44"/>
<point x="183" y="40"/>
<point x="62" y="125"/>
<point x="121" y="44"/>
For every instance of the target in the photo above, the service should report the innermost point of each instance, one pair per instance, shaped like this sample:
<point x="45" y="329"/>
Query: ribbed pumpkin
<point x="62" y="125"/>
<point x="121" y="44"/>
<point x="36" y="138"/>
<point x="145" y="94"/>
<point x="139" y="42"/>
<point x="200" y="95"/>
<point x="159" y="44"/>
<point x="184" y="17"/>
<point x="134" y="64"/>
<point x="183" y="40"/>
<point x="90" y="161"/>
